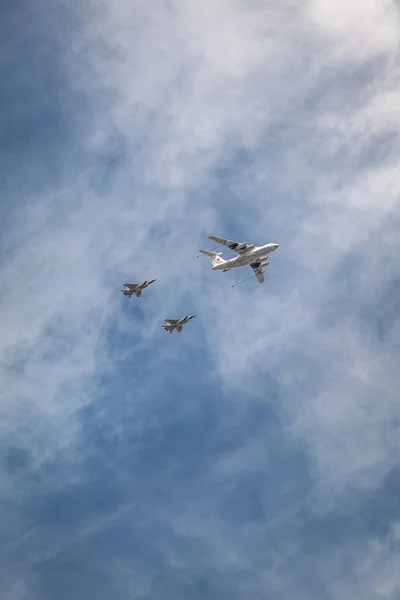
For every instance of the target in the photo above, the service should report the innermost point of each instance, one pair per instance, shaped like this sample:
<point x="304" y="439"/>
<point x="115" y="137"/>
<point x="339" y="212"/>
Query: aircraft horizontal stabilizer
<point x="210" y="254"/>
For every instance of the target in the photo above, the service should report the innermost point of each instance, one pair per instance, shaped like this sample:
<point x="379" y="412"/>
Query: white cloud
<point x="176" y="89"/>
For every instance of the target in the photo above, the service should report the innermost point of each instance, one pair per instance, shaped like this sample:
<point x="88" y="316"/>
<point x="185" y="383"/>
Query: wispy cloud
<point x="230" y="461"/>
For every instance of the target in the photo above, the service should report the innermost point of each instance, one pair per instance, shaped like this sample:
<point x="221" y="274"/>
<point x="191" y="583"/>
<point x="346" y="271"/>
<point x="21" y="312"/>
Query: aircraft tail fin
<point x="210" y="254"/>
<point x="215" y="257"/>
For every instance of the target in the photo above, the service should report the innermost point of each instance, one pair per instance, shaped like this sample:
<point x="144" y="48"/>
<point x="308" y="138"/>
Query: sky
<point x="256" y="455"/>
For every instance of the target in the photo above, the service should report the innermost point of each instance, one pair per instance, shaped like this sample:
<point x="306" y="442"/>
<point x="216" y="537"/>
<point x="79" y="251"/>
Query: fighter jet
<point x="135" y="288"/>
<point x="171" y="324"/>
<point x="248" y="254"/>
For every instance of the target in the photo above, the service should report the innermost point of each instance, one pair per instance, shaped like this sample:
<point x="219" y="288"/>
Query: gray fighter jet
<point x="135" y="288"/>
<point x="171" y="324"/>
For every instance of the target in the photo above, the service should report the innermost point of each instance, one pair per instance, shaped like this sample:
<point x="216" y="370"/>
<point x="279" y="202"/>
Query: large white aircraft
<point x="171" y="324"/>
<point x="248" y="254"/>
<point x="135" y="288"/>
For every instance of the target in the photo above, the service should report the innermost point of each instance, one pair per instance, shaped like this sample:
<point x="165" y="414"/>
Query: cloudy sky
<point x="256" y="455"/>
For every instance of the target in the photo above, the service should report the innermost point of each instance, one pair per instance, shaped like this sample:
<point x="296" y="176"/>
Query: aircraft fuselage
<point x="247" y="258"/>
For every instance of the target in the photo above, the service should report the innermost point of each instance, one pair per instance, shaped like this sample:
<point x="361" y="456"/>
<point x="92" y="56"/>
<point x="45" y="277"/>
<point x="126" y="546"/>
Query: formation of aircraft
<point x="247" y="255"/>
<point x="135" y="288"/>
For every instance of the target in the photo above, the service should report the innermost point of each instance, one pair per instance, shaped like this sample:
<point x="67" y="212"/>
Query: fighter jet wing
<point x="238" y="247"/>
<point x="128" y="289"/>
<point x="171" y="321"/>
<point x="258" y="272"/>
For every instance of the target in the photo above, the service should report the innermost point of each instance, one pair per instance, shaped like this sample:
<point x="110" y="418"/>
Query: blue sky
<point x="257" y="454"/>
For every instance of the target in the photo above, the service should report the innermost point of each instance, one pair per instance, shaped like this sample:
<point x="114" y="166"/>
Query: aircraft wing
<point x="259" y="273"/>
<point x="238" y="247"/>
<point x="128" y="289"/>
<point x="171" y="321"/>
